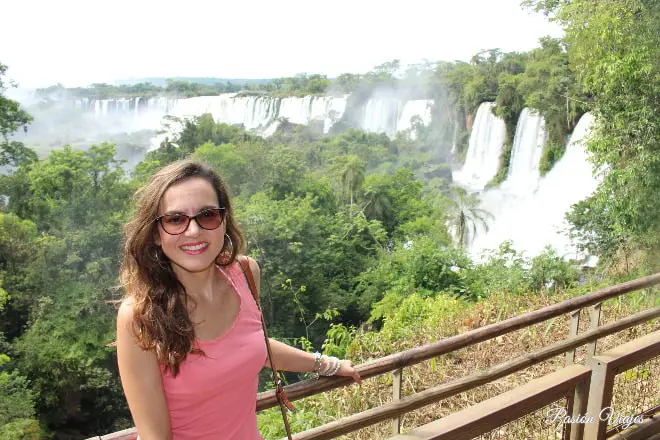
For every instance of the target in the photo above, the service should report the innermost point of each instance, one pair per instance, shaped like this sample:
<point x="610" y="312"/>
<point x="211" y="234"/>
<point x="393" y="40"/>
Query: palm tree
<point x="465" y="216"/>
<point x="351" y="170"/>
<point x="377" y="204"/>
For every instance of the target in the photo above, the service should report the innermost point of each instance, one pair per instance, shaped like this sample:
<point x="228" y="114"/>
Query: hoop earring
<point x="227" y="237"/>
<point x="226" y="252"/>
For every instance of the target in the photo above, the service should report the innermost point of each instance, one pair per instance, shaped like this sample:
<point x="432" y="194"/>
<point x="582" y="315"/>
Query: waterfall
<point x="256" y="113"/>
<point x="483" y="155"/>
<point x="392" y="115"/>
<point x="381" y="116"/>
<point x="309" y="108"/>
<point x="534" y="219"/>
<point x="527" y="150"/>
<point x="260" y="114"/>
<point x="87" y="120"/>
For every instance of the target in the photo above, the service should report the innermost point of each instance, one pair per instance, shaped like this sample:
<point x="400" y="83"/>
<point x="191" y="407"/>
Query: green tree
<point x="12" y="117"/>
<point x="18" y="241"/>
<point x="17" y="412"/>
<point x="227" y="160"/>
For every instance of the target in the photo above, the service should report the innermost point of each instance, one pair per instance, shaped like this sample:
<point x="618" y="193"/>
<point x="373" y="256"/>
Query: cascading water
<point x="391" y="115"/>
<point x="484" y="149"/>
<point x="381" y="115"/>
<point x="527" y="150"/>
<point x="534" y="219"/>
<point x="262" y="114"/>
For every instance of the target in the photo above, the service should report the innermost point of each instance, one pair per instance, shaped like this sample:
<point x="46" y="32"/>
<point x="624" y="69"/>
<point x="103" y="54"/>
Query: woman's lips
<point x="194" y="248"/>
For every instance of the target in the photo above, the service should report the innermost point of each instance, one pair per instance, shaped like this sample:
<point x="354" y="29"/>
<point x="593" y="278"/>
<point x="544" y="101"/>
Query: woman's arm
<point x="292" y="359"/>
<point x="141" y="379"/>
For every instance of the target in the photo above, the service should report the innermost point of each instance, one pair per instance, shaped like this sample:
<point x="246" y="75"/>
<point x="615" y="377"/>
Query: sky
<point x="77" y="42"/>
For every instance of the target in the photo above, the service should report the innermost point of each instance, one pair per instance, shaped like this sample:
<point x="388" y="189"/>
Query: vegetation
<point x="299" y="85"/>
<point x="421" y="320"/>
<point x="352" y="230"/>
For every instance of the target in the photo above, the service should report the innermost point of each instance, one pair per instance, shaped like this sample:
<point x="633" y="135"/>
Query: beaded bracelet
<point x="337" y="366"/>
<point x="331" y="367"/>
<point x="317" y="364"/>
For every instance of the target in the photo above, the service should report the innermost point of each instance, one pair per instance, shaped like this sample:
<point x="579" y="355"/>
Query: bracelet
<point x="331" y="367"/>
<point x="337" y="366"/>
<point x="329" y="364"/>
<point x="317" y="364"/>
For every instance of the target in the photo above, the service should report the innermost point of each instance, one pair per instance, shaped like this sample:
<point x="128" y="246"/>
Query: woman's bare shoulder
<point x="254" y="266"/>
<point x="126" y="312"/>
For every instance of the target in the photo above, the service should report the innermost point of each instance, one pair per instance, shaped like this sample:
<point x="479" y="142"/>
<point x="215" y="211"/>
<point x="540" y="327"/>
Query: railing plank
<point x="649" y="429"/>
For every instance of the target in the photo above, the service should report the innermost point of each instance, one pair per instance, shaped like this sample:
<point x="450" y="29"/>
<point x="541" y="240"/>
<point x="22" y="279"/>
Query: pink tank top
<point x="214" y="396"/>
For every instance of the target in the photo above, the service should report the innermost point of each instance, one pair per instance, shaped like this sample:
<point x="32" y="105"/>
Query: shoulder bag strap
<point x="279" y="388"/>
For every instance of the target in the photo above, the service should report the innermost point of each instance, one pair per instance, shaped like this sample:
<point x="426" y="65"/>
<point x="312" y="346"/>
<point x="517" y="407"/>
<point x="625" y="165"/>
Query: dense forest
<point x="346" y="226"/>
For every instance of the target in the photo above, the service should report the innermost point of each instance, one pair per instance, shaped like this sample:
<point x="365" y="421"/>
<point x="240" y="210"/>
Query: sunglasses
<point x="177" y="223"/>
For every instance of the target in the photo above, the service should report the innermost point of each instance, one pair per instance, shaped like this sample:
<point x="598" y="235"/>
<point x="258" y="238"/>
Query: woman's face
<point x="196" y="249"/>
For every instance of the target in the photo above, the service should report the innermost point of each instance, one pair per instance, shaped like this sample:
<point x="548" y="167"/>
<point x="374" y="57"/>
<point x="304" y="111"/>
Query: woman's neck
<point x="200" y="286"/>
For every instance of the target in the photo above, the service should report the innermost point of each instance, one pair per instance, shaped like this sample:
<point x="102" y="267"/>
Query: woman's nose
<point x="193" y="228"/>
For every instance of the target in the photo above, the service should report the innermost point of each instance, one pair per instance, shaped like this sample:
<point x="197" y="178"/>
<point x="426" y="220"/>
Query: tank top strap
<point x="234" y="272"/>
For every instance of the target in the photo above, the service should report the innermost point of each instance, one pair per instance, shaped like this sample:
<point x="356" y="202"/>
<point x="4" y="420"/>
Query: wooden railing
<point x="586" y="390"/>
<point x="396" y="363"/>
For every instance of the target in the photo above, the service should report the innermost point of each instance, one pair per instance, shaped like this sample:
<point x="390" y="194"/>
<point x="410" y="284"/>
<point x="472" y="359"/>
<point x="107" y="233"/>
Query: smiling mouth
<point x="195" y="249"/>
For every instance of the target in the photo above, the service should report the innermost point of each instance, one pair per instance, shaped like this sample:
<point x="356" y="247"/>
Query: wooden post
<point x="600" y="397"/>
<point x="397" y="384"/>
<point x="580" y="400"/>
<point x="575" y="323"/>
<point x="595" y="322"/>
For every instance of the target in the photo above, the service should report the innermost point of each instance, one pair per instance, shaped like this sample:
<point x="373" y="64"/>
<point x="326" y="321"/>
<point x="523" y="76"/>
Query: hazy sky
<point x="79" y="42"/>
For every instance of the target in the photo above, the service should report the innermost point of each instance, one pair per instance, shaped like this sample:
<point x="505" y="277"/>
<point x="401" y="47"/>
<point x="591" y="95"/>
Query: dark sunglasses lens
<point x="210" y="219"/>
<point x="175" y="223"/>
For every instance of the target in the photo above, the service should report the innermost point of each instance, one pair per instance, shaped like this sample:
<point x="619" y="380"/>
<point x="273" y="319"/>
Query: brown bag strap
<point x="279" y="388"/>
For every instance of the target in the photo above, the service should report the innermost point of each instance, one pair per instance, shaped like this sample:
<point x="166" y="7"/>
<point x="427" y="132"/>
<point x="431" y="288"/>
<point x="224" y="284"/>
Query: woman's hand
<point x="346" y="369"/>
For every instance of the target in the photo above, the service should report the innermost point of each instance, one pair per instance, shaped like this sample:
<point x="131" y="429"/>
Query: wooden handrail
<point x="447" y="389"/>
<point x="416" y="355"/>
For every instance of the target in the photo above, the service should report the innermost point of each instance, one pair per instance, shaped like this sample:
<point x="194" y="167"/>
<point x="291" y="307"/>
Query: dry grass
<point x="378" y="391"/>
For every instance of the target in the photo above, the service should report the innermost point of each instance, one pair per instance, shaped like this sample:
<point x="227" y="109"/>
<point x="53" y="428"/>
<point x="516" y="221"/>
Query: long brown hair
<point x="160" y="313"/>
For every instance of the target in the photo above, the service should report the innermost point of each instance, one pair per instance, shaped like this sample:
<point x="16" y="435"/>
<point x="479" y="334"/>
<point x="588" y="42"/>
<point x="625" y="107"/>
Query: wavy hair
<point x="160" y="314"/>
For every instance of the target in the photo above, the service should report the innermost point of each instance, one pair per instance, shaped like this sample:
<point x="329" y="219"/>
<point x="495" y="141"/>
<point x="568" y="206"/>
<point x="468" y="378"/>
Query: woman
<point x="189" y="339"/>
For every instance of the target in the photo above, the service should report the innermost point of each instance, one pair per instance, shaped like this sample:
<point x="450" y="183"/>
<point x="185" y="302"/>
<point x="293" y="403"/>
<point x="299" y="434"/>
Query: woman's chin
<point x="194" y="266"/>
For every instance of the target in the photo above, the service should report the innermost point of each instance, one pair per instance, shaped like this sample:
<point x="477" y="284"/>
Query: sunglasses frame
<point x="222" y="211"/>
